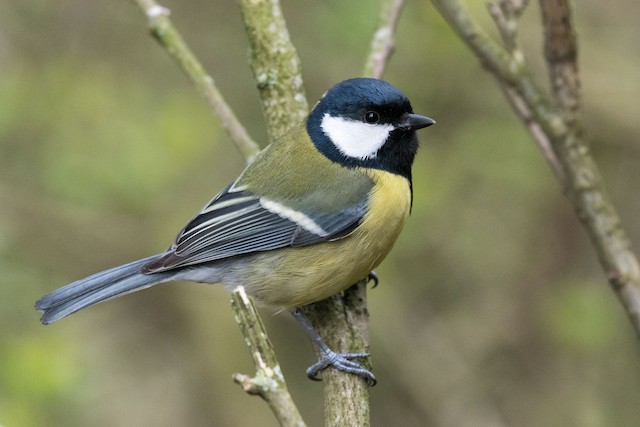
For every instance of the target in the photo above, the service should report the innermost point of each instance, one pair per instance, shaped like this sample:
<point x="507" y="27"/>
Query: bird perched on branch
<point x="315" y="212"/>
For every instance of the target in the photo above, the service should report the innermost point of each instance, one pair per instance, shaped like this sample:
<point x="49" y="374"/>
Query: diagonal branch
<point x="510" y="69"/>
<point x="268" y="383"/>
<point x="557" y="118"/>
<point x="166" y="34"/>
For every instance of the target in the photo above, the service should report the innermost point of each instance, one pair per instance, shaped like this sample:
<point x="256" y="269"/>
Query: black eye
<point x="371" y="117"/>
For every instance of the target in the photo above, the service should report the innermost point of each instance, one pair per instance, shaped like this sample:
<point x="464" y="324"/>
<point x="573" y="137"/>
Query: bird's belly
<point x="294" y="277"/>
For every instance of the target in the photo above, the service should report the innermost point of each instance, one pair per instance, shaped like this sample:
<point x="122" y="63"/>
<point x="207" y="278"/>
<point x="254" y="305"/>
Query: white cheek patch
<point x="354" y="138"/>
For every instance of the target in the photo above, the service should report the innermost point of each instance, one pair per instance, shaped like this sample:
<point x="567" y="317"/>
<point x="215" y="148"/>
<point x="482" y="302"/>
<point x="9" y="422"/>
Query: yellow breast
<point x="298" y="276"/>
<point x="388" y="208"/>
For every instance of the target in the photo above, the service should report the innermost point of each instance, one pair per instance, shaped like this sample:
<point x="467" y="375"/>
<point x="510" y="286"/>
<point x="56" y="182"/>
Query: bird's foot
<point x="328" y="357"/>
<point x="342" y="362"/>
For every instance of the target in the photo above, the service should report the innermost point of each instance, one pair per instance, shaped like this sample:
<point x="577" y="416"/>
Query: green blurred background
<point x="491" y="311"/>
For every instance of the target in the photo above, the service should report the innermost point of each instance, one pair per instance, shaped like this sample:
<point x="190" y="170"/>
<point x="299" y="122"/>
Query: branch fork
<point x="555" y="123"/>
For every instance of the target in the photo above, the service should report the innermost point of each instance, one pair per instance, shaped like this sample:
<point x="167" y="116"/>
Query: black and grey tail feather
<point x="99" y="287"/>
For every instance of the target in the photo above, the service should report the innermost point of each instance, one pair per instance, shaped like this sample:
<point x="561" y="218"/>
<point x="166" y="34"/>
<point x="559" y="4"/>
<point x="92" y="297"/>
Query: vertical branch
<point x="276" y="66"/>
<point x="561" y="53"/>
<point x="277" y="72"/>
<point x="343" y="322"/>
<point x="591" y="202"/>
<point x="342" y="319"/>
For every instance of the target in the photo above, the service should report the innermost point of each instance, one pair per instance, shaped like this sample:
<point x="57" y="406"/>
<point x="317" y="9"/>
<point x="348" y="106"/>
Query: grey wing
<point x="237" y="222"/>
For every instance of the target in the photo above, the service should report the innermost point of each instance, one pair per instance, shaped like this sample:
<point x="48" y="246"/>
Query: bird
<point x="315" y="212"/>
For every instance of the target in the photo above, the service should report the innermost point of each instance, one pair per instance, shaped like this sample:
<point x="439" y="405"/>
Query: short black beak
<point x="415" y="121"/>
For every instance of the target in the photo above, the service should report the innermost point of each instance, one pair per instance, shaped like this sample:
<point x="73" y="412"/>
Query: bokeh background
<point x="492" y="309"/>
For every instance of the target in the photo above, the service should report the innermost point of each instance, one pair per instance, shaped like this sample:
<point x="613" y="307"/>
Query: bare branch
<point x="166" y="34"/>
<point x="509" y="68"/>
<point x="535" y="130"/>
<point x="561" y="124"/>
<point x="383" y="42"/>
<point x="506" y="14"/>
<point x="561" y="53"/>
<point x="343" y="319"/>
<point x="514" y="7"/>
<point x="268" y="383"/>
<point x="276" y="66"/>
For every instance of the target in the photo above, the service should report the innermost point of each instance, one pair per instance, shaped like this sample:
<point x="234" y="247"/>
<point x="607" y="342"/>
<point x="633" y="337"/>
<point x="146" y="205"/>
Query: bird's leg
<point x="328" y="357"/>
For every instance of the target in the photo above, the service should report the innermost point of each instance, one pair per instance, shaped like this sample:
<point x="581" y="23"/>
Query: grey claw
<point x="313" y="370"/>
<point x="342" y="362"/>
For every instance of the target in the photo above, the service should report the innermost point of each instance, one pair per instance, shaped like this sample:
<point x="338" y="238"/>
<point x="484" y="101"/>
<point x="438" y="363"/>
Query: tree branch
<point x="561" y="53"/>
<point x="343" y="322"/>
<point x="268" y="383"/>
<point x="558" y="118"/>
<point x="276" y="66"/>
<point x="535" y="130"/>
<point x="166" y="34"/>
<point x="383" y="42"/>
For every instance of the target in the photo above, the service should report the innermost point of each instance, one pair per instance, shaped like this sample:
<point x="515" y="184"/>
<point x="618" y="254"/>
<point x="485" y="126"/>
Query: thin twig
<point x="505" y="15"/>
<point x="522" y="92"/>
<point x="561" y="124"/>
<point x="561" y="53"/>
<point x="506" y="23"/>
<point x="268" y="383"/>
<point x="514" y="7"/>
<point x="383" y="42"/>
<point x="166" y="34"/>
<point x="535" y="130"/>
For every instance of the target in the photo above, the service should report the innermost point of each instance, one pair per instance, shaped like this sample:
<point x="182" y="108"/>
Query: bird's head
<point x="369" y="123"/>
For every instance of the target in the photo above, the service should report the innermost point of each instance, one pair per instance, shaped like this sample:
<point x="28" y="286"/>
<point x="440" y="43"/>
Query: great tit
<point x="315" y="212"/>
